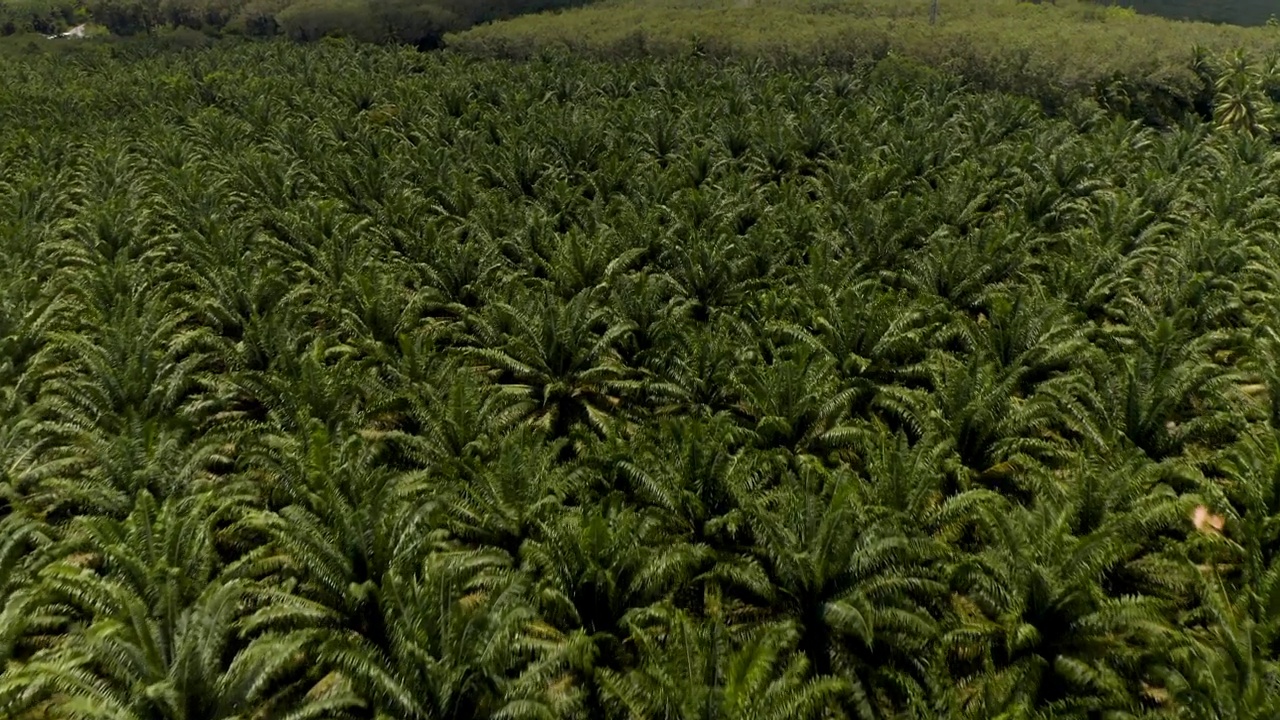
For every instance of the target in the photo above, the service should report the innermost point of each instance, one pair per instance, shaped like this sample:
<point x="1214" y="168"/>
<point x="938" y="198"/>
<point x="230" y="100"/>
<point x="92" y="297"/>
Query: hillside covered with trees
<point x="352" y="382"/>
<point x="415" y="22"/>
<point x="1142" y="66"/>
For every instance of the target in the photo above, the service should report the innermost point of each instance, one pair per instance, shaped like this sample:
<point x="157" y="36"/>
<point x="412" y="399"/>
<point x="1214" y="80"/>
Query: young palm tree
<point x="872" y="336"/>
<point x="1032" y="337"/>
<point x="708" y="276"/>
<point x="1224" y="667"/>
<point x="439" y="416"/>
<point x="1168" y="396"/>
<point x="997" y="434"/>
<point x="591" y="572"/>
<point x="1046" y="634"/>
<point x="498" y="504"/>
<point x="696" y="670"/>
<point x="343" y="523"/>
<point x="463" y="642"/>
<point x="695" y="375"/>
<point x="560" y="359"/>
<point x="26" y="547"/>
<point x="795" y="402"/>
<point x="862" y="592"/>
<point x="162" y="632"/>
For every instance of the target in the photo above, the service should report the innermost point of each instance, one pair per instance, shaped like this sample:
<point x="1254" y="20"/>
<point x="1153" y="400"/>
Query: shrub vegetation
<point x="1051" y="51"/>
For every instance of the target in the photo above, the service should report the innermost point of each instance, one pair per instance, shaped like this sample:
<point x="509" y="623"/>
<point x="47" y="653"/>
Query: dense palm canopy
<point x="347" y="382"/>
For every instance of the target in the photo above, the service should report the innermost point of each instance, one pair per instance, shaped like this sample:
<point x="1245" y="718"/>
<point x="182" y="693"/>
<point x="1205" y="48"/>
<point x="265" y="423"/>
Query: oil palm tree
<point x="694" y="670"/>
<point x="795" y="401"/>
<point x="1168" y="396"/>
<point x="560" y="359"/>
<point x="340" y="524"/>
<point x="1223" y="667"/>
<point x="592" y="572"/>
<point x="462" y="642"/>
<point x="26" y="547"/>
<point x="864" y="594"/>
<point x="497" y="504"/>
<point x="695" y="375"/>
<point x="1046" y="635"/>
<point x="162" y="632"/>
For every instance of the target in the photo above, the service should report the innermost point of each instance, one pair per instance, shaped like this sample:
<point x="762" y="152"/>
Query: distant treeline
<point x="418" y="22"/>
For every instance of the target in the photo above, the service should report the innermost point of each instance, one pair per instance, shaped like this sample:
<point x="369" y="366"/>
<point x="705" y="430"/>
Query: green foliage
<point x="316" y="19"/>
<point x="1050" y="51"/>
<point x="415" y="22"/>
<point x="343" y="381"/>
<point x="38" y="16"/>
<point x="126" y="17"/>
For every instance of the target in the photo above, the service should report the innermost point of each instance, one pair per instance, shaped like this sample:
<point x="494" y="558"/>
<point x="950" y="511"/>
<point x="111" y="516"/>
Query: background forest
<point x="1141" y="66"/>
<point x="352" y="382"/>
<point x="415" y="22"/>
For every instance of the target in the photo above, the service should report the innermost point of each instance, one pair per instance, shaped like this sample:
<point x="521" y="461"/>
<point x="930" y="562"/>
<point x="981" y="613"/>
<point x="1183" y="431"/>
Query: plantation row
<point x="346" y="382"/>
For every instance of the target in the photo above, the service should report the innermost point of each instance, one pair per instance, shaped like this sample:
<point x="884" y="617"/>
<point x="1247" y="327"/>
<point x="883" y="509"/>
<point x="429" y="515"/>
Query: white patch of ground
<point x="78" y="31"/>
